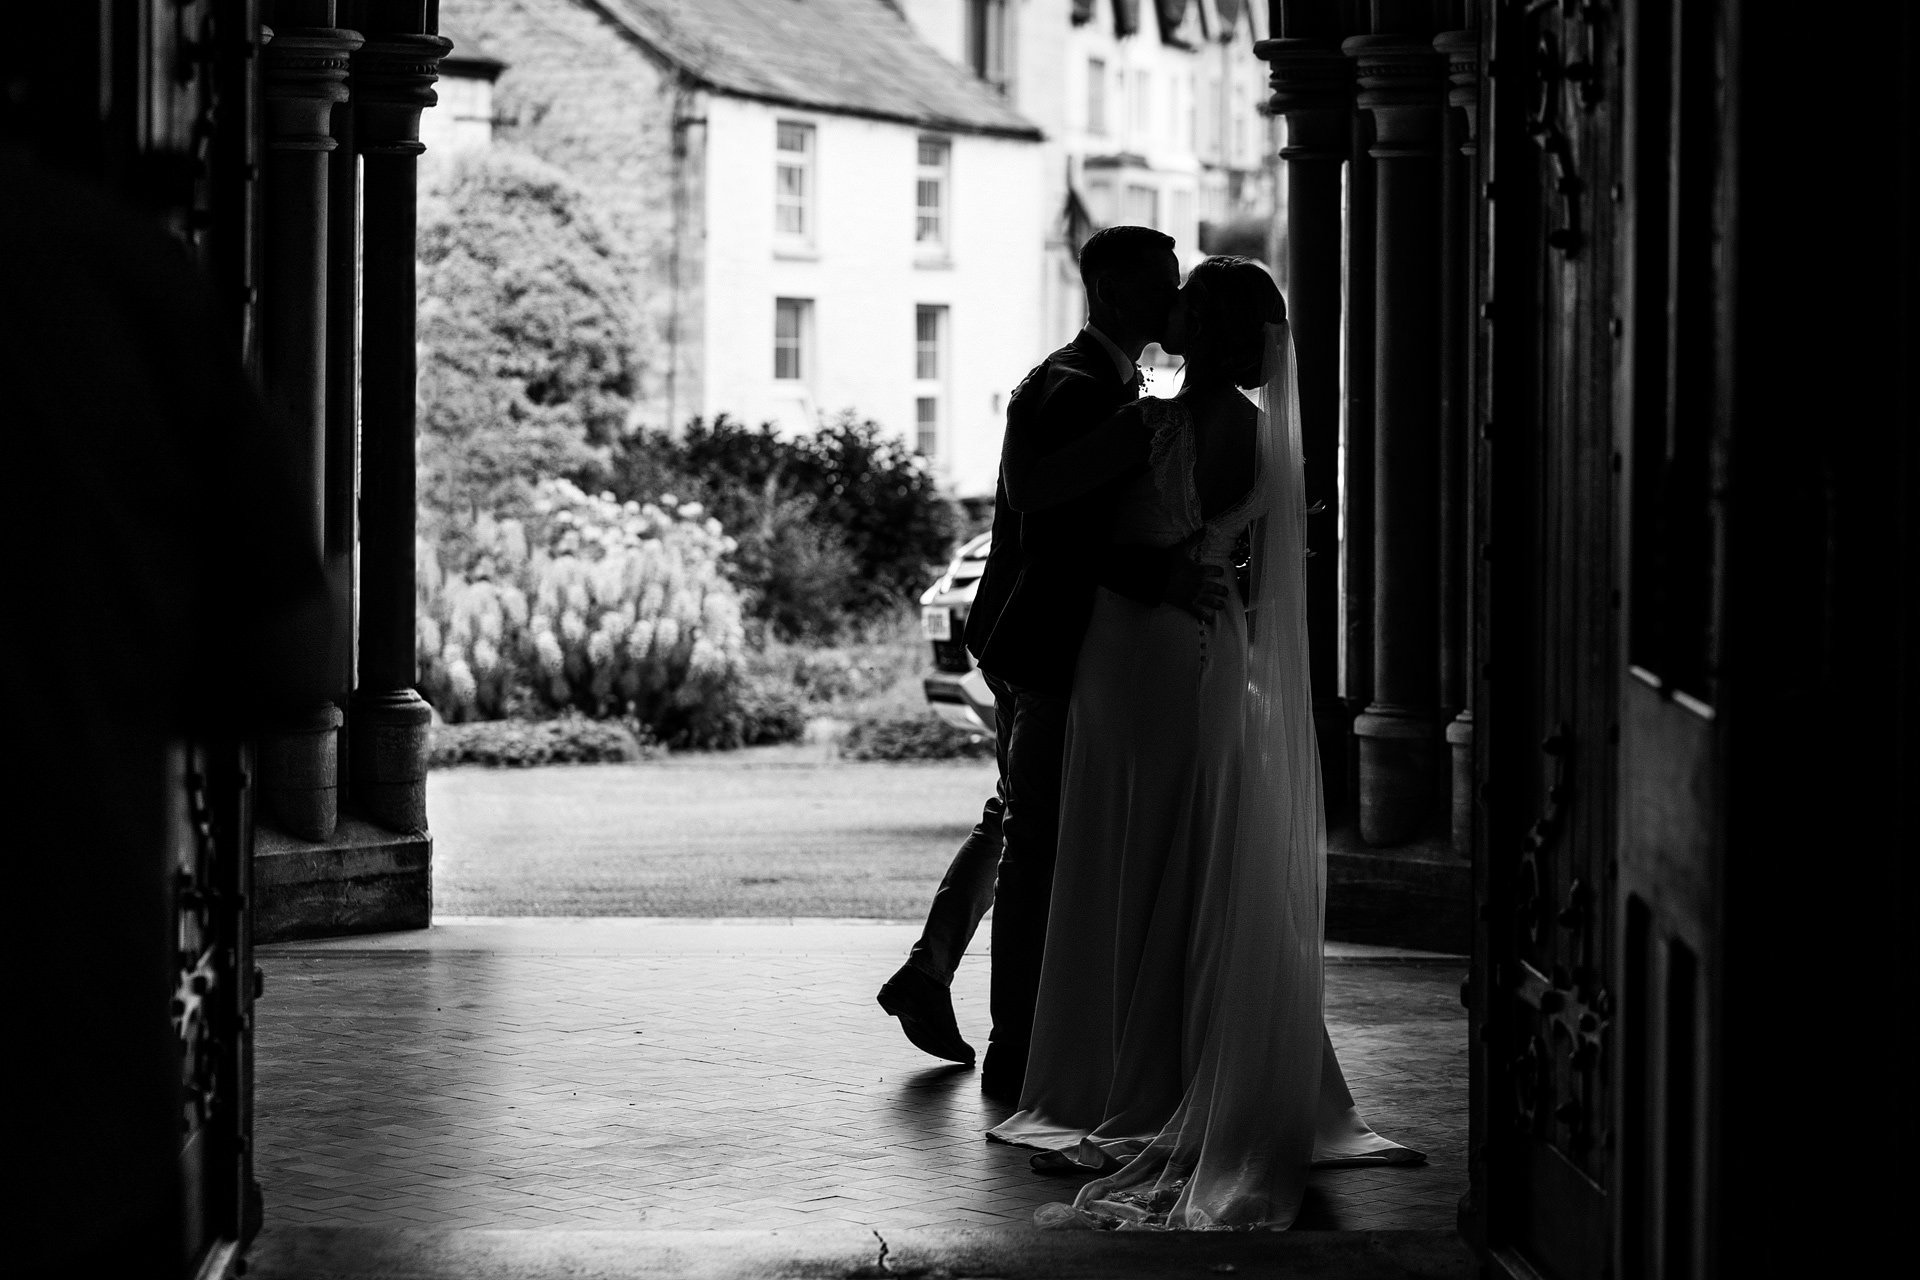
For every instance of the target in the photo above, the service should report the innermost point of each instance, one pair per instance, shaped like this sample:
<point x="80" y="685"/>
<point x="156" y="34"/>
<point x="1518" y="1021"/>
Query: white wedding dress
<point x="1178" y="1044"/>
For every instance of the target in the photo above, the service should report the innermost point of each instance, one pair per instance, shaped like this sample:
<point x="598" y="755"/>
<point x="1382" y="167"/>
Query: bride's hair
<point x="1234" y="299"/>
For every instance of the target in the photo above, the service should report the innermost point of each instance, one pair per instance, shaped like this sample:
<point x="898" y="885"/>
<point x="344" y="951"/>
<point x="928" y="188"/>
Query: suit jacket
<point x="1030" y="611"/>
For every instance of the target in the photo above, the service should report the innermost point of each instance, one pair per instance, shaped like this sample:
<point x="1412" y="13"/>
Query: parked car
<point x="956" y="690"/>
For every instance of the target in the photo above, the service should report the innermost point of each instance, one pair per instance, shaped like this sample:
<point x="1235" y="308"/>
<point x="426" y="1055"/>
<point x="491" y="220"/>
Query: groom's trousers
<point x="1006" y="863"/>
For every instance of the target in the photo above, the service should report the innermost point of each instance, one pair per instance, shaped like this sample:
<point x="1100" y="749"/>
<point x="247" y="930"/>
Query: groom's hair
<point x="1120" y="251"/>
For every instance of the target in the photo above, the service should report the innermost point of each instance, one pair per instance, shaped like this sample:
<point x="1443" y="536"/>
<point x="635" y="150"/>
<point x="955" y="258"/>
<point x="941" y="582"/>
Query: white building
<point x="829" y="215"/>
<point x="1151" y="110"/>
<point x="897" y="265"/>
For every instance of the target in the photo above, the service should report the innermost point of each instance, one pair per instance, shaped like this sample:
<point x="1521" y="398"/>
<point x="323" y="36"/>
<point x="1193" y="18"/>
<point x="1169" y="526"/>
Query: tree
<point x="528" y="335"/>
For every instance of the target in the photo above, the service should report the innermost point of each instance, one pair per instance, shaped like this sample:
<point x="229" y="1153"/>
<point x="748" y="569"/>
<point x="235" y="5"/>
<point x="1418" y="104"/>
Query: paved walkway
<point x="608" y="1073"/>
<point x="768" y="831"/>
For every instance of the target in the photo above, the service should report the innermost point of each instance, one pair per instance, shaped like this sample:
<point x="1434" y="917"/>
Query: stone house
<point x="1151" y="110"/>
<point x="827" y="215"/>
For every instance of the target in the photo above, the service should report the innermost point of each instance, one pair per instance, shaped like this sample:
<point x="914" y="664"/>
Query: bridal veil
<point x="1267" y="1100"/>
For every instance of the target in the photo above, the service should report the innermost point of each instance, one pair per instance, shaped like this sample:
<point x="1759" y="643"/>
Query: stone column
<point x="1313" y="90"/>
<point x="343" y="388"/>
<point x="1398" y="734"/>
<point x="1459" y="321"/>
<point x="1356" y="550"/>
<point x="393" y="83"/>
<point x="303" y="74"/>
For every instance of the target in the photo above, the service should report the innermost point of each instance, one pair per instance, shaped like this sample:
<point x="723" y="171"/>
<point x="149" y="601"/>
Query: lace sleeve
<point x="1170" y="460"/>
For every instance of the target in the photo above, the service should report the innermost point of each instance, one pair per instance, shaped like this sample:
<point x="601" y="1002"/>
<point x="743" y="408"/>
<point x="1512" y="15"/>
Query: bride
<point x="1179" y="1048"/>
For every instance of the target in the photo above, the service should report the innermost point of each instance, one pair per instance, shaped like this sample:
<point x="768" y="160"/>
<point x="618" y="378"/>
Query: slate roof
<point x="467" y="57"/>
<point x="853" y="57"/>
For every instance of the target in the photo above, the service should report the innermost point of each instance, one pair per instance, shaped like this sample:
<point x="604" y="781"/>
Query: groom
<point x="1059" y="468"/>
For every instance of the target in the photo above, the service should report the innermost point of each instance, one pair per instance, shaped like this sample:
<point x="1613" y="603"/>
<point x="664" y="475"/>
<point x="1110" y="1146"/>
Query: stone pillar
<point x="1398" y="734"/>
<point x="393" y="83"/>
<point x="343" y="391"/>
<point x="1313" y="90"/>
<point x="1356" y="550"/>
<point x="1459" y="321"/>
<point x="303" y="74"/>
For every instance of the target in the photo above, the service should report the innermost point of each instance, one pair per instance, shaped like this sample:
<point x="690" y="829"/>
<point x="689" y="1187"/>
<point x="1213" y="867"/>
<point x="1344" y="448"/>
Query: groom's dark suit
<point x="1029" y="615"/>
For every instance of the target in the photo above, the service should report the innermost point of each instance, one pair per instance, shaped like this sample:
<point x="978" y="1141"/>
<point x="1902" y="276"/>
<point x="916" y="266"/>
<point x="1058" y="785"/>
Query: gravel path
<point x="769" y="831"/>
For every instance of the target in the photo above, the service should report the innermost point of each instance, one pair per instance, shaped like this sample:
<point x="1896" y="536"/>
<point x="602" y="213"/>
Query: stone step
<point x="1418" y="895"/>
<point x="1008" y="1253"/>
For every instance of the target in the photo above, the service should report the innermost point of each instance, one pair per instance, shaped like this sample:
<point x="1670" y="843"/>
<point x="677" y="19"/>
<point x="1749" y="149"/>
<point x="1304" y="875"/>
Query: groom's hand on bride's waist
<point x="1200" y="589"/>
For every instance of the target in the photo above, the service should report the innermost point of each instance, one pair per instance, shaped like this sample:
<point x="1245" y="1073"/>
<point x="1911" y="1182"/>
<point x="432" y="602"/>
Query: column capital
<point x="1313" y="89"/>
<point x="303" y="74"/>
<point x="393" y="78"/>
<point x="1461" y="49"/>
<point x="1400" y="77"/>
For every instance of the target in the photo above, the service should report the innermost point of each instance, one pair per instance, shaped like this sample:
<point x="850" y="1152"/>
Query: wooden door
<point x="185" y="109"/>
<point x="1542" y="997"/>
<point x="1670" y="399"/>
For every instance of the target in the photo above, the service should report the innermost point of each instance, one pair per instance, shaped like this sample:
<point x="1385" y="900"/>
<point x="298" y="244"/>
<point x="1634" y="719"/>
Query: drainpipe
<point x="684" y="90"/>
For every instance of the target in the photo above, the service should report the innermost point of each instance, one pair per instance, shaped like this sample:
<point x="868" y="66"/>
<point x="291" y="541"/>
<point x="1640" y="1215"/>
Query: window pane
<point x="927" y="323"/>
<point x="927" y="425"/>
<point x="933" y="152"/>
<point x="1096" y="96"/>
<point x="1100" y="202"/>
<point x="794" y="137"/>
<point x="927" y="227"/>
<point x="1143" y="206"/>
<point x="789" y="337"/>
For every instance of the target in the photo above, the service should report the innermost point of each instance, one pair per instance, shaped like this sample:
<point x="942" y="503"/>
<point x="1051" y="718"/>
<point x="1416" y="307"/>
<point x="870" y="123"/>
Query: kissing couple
<point x="1159" y="873"/>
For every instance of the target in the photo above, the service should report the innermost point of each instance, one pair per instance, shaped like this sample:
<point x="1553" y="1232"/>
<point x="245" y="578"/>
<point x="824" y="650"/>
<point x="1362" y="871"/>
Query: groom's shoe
<point x="1004" y="1072"/>
<point x="925" y="1010"/>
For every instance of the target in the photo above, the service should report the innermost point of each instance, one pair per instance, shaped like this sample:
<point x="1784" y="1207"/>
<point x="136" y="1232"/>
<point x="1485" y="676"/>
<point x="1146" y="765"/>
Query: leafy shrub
<point x="846" y="522"/>
<point x="768" y="713"/>
<point x="877" y="663"/>
<point x="869" y="682"/>
<point x="588" y="605"/>
<point x="522" y="743"/>
<point x="894" y="735"/>
<point x="528" y="336"/>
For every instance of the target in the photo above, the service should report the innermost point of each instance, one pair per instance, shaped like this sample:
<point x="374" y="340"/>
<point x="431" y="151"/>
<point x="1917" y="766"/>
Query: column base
<point x="299" y="771"/>
<point x="1460" y="744"/>
<point x="388" y="741"/>
<point x="1399" y="762"/>
<point x="360" y="880"/>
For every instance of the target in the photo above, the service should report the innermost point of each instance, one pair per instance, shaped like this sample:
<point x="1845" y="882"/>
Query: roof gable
<point x="854" y="57"/>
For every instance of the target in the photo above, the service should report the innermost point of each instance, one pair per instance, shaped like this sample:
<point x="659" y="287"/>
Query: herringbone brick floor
<point x="672" y="1074"/>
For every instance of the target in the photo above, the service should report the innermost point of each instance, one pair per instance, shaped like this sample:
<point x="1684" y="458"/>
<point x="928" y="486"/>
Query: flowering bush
<point x="591" y="605"/>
